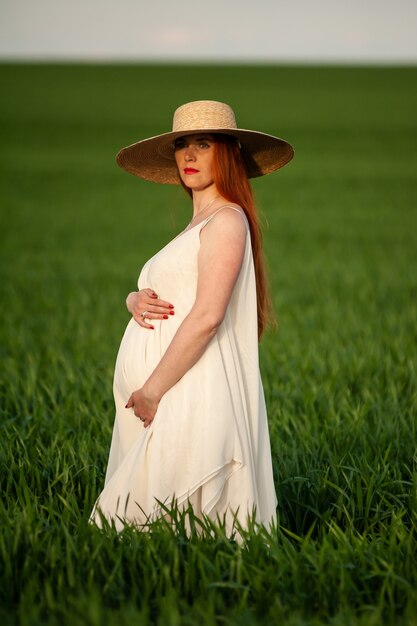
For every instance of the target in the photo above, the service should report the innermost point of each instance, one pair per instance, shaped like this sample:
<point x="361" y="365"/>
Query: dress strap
<point x="225" y="206"/>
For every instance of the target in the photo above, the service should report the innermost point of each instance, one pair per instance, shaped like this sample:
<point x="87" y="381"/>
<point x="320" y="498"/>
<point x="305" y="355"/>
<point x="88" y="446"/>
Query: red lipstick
<point x="190" y="170"/>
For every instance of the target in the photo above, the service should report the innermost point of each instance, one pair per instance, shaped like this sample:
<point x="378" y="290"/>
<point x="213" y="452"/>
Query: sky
<point x="352" y="31"/>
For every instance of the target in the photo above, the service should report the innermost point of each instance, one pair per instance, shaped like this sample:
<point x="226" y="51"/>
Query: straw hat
<point x="153" y="159"/>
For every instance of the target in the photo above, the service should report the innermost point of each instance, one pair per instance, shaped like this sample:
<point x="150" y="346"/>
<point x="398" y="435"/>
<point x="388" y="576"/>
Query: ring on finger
<point x="144" y="314"/>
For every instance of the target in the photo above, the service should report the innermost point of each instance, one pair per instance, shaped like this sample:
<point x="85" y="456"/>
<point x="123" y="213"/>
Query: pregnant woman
<point x="191" y="423"/>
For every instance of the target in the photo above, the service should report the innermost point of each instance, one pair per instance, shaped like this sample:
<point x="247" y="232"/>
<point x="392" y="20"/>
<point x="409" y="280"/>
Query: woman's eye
<point x="203" y="145"/>
<point x="179" y="145"/>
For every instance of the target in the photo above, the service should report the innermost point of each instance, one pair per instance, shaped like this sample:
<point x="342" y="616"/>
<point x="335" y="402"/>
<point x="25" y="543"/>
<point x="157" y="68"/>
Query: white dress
<point x="209" y="442"/>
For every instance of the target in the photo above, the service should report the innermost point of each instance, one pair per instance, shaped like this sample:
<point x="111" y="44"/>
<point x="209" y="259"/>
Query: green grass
<point x="339" y="375"/>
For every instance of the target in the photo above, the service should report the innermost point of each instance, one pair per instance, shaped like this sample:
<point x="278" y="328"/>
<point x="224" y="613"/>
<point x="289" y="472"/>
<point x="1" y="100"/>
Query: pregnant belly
<point x="140" y="352"/>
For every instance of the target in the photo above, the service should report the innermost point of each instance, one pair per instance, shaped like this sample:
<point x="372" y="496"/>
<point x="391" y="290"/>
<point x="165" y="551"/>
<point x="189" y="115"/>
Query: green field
<point x="339" y="375"/>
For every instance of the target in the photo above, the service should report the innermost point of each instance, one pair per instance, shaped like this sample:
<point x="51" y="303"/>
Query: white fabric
<point x="209" y="441"/>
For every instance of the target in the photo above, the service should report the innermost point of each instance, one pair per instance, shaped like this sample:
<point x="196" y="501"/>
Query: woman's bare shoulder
<point x="228" y="215"/>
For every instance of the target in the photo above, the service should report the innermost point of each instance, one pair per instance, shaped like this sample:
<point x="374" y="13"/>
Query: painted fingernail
<point x="171" y="306"/>
<point x="165" y="317"/>
<point x="126" y="406"/>
<point x="152" y="327"/>
<point x="171" y="313"/>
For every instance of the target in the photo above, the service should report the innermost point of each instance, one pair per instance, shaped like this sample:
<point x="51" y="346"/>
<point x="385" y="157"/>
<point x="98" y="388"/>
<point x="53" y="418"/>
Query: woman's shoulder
<point x="229" y="213"/>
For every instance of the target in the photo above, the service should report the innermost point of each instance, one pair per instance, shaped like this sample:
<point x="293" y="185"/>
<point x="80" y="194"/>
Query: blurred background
<point x="370" y="31"/>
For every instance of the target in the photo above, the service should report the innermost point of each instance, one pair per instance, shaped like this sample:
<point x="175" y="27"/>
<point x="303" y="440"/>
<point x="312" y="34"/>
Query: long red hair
<point x="231" y="180"/>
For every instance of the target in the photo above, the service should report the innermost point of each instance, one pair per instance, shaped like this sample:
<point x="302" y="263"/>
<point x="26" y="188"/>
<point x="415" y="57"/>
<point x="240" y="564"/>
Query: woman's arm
<point x="219" y="262"/>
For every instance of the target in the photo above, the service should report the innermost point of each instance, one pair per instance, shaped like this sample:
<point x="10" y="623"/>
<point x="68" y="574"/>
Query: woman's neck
<point x="204" y="200"/>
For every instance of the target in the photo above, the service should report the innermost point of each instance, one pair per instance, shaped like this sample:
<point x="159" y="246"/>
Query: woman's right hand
<point x="147" y="300"/>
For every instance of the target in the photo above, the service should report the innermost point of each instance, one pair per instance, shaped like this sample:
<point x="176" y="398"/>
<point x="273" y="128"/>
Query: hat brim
<point x="153" y="159"/>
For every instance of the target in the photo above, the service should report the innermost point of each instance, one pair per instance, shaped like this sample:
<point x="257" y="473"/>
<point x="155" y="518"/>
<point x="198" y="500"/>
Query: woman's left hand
<point x="143" y="407"/>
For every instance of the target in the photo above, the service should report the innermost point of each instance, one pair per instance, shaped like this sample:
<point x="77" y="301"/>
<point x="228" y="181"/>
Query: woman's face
<point x="194" y="157"/>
